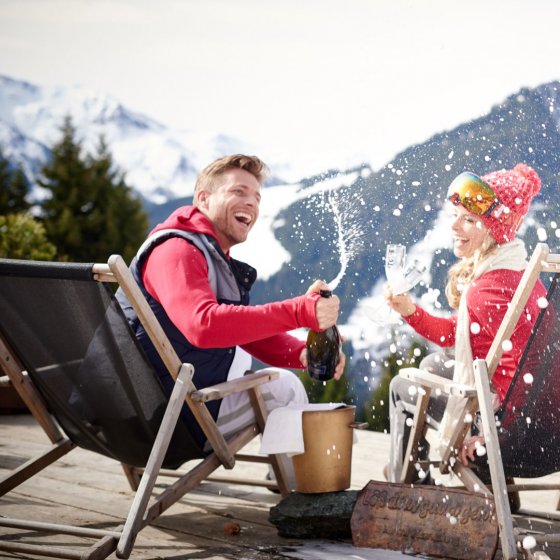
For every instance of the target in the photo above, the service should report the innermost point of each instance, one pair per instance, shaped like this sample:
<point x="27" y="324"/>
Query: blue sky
<point x="318" y="82"/>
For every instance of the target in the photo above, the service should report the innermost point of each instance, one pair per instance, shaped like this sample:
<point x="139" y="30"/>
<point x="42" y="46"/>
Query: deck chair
<point x="67" y="348"/>
<point x="522" y="437"/>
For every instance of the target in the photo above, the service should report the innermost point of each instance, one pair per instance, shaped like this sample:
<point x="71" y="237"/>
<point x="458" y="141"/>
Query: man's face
<point x="233" y="206"/>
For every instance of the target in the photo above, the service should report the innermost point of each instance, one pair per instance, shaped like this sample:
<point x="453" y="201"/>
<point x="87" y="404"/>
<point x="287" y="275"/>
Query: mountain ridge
<point x="158" y="162"/>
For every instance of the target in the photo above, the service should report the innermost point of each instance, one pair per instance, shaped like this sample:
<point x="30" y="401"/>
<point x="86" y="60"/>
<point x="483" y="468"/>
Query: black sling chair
<point x="522" y="437"/>
<point x="67" y="348"/>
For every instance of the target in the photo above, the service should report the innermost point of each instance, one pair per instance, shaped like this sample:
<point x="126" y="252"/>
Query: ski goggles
<point x="473" y="193"/>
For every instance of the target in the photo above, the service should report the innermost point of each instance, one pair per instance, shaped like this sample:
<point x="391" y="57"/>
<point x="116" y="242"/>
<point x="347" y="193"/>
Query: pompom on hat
<point x="515" y="189"/>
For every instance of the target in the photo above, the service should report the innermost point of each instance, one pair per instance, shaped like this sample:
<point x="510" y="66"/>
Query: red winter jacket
<point x="487" y="303"/>
<point x="176" y="275"/>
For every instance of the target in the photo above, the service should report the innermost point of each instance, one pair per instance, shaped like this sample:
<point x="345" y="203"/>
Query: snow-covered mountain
<point x="160" y="163"/>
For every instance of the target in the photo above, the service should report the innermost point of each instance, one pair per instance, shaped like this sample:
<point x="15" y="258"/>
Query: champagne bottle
<point x="323" y="349"/>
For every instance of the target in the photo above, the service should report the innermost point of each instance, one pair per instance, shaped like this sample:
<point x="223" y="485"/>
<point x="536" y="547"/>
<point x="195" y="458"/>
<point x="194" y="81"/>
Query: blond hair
<point x="461" y="274"/>
<point x="252" y="164"/>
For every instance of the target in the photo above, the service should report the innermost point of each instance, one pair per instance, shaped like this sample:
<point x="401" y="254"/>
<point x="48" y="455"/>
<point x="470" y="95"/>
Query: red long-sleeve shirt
<point x="487" y="303"/>
<point x="176" y="275"/>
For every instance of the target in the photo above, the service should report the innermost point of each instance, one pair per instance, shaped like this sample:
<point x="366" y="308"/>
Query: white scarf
<point x="509" y="256"/>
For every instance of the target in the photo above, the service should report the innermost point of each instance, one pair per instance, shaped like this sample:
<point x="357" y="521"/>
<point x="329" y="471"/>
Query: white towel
<point x="283" y="432"/>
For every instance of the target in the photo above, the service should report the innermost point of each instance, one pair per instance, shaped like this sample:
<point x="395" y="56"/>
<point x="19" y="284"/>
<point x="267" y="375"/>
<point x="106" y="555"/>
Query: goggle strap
<point x="492" y="207"/>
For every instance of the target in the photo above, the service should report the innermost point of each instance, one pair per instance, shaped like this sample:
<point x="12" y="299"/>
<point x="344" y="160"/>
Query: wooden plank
<point x="433" y="381"/>
<point x="517" y="305"/>
<point x="221" y="390"/>
<point x="425" y="520"/>
<point x="201" y="523"/>
<point x="12" y="367"/>
<point x="134" y="520"/>
<point x="505" y="522"/>
<point x="173" y="535"/>
<point x="91" y="490"/>
<point x="408" y="472"/>
<point x="34" y="465"/>
<point x="278" y="462"/>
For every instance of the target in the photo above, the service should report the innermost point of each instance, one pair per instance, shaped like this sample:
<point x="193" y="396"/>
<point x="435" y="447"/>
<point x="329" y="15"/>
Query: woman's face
<point x="468" y="232"/>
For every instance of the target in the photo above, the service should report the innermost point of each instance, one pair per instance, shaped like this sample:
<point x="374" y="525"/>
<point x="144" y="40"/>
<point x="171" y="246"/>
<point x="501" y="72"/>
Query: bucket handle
<point x="359" y="425"/>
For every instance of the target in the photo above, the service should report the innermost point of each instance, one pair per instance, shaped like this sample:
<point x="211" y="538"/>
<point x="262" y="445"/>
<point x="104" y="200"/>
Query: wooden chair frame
<point x="478" y="398"/>
<point x="142" y="512"/>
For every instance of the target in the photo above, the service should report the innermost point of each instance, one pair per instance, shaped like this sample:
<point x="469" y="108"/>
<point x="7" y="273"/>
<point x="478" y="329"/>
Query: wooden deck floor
<point x="85" y="488"/>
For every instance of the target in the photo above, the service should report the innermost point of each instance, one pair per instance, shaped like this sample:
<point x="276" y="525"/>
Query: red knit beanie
<point x="515" y="188"/>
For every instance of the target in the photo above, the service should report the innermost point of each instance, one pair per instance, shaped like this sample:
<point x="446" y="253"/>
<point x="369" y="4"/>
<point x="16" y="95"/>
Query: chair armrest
<point x="427" y="379"/>
<point x="221" y="390"/>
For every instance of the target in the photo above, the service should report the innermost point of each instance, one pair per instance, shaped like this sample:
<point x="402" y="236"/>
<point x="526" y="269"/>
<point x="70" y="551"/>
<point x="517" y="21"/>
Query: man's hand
<point x="317" y="286"/>
<point x="326" y="309"/>
<point x="339" y="366"/>
<point x="326" y="312"/>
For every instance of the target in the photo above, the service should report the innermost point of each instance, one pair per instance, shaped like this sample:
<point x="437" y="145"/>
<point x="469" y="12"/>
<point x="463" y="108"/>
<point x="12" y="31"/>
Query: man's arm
<point x="281" y="350"/>
<point x="176" y="275"/>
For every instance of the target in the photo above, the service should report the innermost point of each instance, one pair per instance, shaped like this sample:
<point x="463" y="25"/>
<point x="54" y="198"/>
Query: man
<point x="200" y="295"/>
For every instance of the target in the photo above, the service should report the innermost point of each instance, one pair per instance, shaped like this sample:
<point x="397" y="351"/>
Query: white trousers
<point x="402" y="405"/>
<point x="236" y="411"/>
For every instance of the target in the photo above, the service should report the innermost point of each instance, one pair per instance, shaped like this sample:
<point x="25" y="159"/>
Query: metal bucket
<point x="326" y="465"/>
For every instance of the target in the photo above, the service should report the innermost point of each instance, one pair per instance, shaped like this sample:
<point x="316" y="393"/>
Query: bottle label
<point x="318" y="371"/>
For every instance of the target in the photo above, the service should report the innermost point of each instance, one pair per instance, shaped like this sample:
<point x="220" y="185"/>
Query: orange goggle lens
<point x="473" y="193"/>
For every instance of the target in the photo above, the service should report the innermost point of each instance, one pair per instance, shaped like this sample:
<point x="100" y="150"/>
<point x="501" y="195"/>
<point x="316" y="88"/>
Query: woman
<point x="488" y="211"/>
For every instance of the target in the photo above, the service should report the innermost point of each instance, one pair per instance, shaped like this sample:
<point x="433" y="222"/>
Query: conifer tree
<point x="65" y="211"/>
<point x="91" y="212"/>
<point x="119" y="212"/>
<point x="13" y="188"/>
<point x="377" y="409"/>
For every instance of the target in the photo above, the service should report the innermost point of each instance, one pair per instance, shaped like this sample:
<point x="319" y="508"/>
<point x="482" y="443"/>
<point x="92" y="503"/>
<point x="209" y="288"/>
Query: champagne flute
<point x="410" y="276"/>
<point x="413" y="274"/>
<point x="395" y="257"/>
<point x="401" y="278"/>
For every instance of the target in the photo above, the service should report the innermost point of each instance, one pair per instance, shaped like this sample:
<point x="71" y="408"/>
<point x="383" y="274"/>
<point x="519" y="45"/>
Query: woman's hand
<point x="470" y="447"/>
<point x="401" y="303"/>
